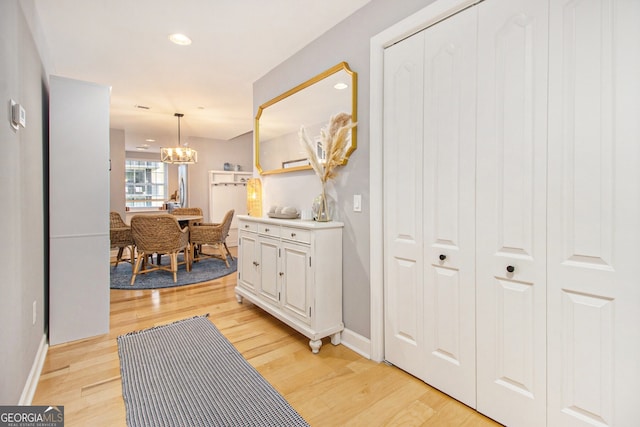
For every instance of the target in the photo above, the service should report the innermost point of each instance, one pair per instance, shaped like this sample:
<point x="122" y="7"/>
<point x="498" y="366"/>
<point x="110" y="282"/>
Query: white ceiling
<point x="124" y="44"/>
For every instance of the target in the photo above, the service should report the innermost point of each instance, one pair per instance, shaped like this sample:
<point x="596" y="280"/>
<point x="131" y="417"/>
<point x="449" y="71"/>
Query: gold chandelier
<point x="180" y="155"/>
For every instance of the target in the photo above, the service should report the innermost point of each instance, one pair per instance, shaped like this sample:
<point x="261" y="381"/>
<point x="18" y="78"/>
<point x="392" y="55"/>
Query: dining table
<point x="185" y="220"/>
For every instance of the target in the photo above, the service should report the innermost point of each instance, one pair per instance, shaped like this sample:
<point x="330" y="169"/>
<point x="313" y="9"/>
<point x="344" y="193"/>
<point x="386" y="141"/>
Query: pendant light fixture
<point x="180" y="155"/>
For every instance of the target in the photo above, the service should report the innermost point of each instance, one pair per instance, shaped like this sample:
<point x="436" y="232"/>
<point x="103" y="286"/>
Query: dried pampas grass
<point x="333" y="139"/>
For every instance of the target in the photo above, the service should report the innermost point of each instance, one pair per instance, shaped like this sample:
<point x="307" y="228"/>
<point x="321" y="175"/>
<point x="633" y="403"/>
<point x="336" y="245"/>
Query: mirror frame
<point x="343" y="66"/>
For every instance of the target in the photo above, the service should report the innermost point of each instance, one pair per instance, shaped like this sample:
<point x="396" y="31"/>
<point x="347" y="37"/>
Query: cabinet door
<point x="296" y="281"/>
<point x="449" y="198"/>
<point x="268" y="260"/>
<point x="511" y="211"/>
<point x="248" y="261"/>
<point x="594" y="213"/>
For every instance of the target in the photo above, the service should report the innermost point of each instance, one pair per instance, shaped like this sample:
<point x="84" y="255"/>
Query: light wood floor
<point x="336" y="387"/>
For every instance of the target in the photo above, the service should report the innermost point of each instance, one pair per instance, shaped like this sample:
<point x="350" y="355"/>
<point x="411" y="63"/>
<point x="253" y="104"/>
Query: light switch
<point x="18" y="115"/>
<point x="357" y="203"/>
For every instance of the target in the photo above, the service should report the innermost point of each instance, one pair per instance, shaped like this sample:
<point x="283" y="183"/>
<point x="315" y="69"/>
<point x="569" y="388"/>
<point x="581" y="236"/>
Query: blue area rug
<point x="188" y="374"/>
<point x="201" y="271"/>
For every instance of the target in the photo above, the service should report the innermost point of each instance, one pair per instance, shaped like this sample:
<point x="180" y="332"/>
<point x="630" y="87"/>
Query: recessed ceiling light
<point x="149" y="140"/>
<point x="180" y="39"/>
<point x="340" y="86"/>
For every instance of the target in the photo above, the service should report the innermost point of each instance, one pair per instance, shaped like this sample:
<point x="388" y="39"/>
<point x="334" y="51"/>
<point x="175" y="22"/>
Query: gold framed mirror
<point x="311" y="104"/>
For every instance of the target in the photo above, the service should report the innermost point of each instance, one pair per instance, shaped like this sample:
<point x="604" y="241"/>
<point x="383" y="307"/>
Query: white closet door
<point x="594" y="213"/>
<point x="448" y="206"/>
<point x="403" y="229"/>
<point x="511" y="211"/>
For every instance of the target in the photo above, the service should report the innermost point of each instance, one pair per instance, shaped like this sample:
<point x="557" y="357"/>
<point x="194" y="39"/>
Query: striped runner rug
<point x="188" y="374"/>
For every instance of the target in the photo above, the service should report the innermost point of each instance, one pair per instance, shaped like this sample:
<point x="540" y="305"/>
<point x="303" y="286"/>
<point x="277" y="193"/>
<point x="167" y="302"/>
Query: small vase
<point x="322" y="207"/>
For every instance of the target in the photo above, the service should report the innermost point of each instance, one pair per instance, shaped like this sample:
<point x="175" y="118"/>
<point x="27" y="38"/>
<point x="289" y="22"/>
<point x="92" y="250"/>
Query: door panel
<point x="511" y="211"/>
<point x="448" y="205"/>
<point x="587" y="161"/>
<point x="588" y="330"/>
<point x="268" y="270"/>
<point x="248" y="268"/>
<point x="445" y="342"/>
<point x="594" y="297"/>
<point x="403" y="241"/>
<point x="515" y="338"/>
<point x="295" y="285"/>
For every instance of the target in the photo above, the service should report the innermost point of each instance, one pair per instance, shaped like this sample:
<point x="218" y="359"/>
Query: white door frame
<point x="430" y="15"/>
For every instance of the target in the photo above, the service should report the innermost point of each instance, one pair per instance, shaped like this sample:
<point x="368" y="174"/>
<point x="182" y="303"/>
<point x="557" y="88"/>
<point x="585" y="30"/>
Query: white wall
<point x="348" y="41"/>
<point x="79" y="209"/>
<point x="23" y="256"/>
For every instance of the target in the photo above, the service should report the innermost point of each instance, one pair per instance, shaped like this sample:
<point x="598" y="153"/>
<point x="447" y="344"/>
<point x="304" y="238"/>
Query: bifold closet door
<point x="448" y="206"/>
<point x="403" y="228"/>
<point x="594" y="213"/>
<point x="511" y="211"/>
<point x="429" y="190"/>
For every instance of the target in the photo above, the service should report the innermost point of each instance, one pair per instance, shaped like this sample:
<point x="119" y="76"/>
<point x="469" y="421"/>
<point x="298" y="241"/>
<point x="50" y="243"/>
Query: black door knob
<point x="511" y="268"/>
<point x="442" y="257"/>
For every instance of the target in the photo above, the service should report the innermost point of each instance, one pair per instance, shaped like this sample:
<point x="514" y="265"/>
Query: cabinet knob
<point x="442" y="257"/>
<point x="281" y="274"/>
<point x="256" y="263"/>
<point x="511" y="268"/>
<point x="293" y="234"/>
<point x="266" y="230"/>
<point x="246" y="226"/>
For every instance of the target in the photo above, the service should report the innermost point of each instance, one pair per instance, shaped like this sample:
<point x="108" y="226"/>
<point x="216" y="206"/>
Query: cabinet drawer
<point x="296" y="234"/>
<point x="269" y="230"/>
<point x="248" y="226"/>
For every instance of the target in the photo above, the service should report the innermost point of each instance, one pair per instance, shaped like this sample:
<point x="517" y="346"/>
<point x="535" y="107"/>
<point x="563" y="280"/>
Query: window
<point x="146" y="184"/>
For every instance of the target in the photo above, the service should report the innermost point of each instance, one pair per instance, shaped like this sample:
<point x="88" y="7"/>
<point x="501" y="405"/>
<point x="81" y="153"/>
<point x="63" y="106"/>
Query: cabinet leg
<point x="335" y="338"/>
<point x="239" y="298"/>
<point x="315" y="345"/>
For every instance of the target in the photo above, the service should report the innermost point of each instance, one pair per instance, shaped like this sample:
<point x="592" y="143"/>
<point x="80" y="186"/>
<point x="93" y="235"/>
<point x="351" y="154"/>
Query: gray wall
<point x="348" y="41"/>
<point x="22" y="229"/>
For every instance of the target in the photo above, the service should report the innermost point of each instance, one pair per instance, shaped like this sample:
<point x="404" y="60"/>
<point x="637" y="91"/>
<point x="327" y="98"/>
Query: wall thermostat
<point x="18" y="115"/>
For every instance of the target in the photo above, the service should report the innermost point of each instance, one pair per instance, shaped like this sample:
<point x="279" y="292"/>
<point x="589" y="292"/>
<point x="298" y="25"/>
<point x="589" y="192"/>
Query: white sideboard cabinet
<point x="293" y="270"/>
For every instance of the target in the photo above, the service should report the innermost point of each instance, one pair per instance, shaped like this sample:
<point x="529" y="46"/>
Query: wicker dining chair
<point x="214" y="235"/>
<point x="121" y="237"/>
<point x="159" y="234"/>
<point x="188" y="211"/>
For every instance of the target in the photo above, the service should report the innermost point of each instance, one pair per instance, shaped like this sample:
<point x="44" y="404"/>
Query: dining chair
<point x="121" y="237"/>
<point x="188" y="211"/>
<point x="213" y="235"/>
<point x="159" y="234"/>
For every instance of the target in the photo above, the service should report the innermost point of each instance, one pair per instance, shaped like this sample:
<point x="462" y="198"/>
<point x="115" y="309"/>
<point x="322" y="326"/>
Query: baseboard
<point x="356" y="342"/>
<point x="34" y="375"/>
